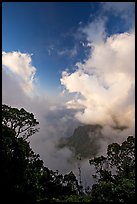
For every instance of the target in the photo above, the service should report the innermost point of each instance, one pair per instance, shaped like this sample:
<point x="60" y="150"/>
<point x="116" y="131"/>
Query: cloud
<point x="95" y="32"/>
<point x="68" y="52"/>
<point x="63" y="52"/>
<point x="55" y="122"/>
<point x="20" y="65"/>
<point x="105" y="80"/>
<point x="12" y="93"/>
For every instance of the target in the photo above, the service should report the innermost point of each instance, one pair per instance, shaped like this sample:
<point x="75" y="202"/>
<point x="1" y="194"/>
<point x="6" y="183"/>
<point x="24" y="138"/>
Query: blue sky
<point x="37" y="27"/>
<point x="50" y="30"/>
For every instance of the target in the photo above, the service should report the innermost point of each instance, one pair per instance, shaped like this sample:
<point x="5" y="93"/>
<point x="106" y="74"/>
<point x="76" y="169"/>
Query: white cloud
<point x="12" y="93"/>
<point x="55" y="121"/>
<point x="20" y="65"/>
<point x="95" y="31"/>
<point x="105" y="79"/>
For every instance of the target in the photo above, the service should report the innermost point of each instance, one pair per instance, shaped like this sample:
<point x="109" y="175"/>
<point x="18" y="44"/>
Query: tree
<point x="21" y="169"/>
<point x="21" y="121"/>
<point x="24" y="177"/>
<point x="115" y="173"/>
<point x="58" y="187"/>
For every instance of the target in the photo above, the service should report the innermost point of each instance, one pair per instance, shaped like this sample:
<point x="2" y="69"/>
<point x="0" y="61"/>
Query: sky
<point x="70" y="63"/>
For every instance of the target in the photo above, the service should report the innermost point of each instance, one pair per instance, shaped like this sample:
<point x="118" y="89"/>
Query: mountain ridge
<point x="84" y="141"/>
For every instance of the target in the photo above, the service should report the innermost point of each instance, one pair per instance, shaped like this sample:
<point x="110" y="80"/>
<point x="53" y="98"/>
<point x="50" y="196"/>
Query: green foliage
<point x="115" y="173"/>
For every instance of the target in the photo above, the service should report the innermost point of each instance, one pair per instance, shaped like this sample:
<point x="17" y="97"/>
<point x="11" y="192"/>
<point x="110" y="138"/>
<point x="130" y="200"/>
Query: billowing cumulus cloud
<point x="20" y="65"/>
<point x="105" y="80"/>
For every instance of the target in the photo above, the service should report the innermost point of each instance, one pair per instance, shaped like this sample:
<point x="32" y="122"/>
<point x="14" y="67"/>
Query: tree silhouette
<point x="25" y="180"/>
<point x="115" y="173"/>
<point x="24" y="177"/>
<point x="21" y="121"/>
<point x="21" y="169"/>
